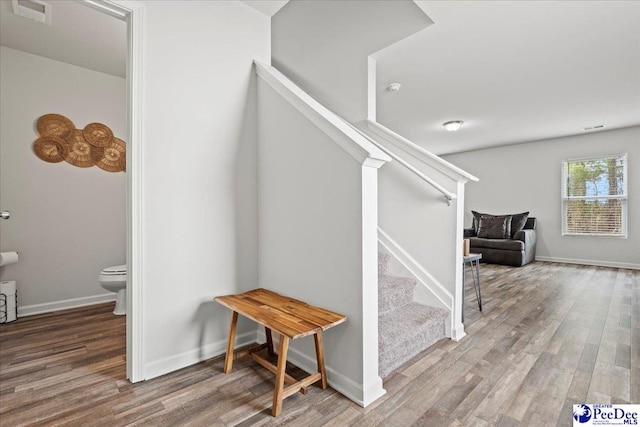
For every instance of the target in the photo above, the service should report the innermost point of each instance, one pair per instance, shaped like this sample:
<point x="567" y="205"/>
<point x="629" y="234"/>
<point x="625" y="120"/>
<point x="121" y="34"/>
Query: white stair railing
<point x="424" y="237"/>
<point x="449" y="196"/>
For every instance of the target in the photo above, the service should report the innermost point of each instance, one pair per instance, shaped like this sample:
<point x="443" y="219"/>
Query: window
<point x="594" y="196"/>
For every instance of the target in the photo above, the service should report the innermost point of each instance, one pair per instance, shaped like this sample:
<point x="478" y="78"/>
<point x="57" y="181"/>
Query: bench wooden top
<point x="286" y="316"/>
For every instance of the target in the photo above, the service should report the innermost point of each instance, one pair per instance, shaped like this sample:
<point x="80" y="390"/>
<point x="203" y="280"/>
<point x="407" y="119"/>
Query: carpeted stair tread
<point x="405" y="328"/>
<point x="405" y="332"/>
<point x="406" y="321"/>
<point x="396" y="356"/>
<point x="394" y="292"/>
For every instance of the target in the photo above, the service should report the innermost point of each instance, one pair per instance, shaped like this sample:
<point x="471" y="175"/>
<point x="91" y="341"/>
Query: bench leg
<point x="267" y="332"/>
<point x="228" y="360"/>
<point x="278" y="394"/>
<point x="320" y="358"/>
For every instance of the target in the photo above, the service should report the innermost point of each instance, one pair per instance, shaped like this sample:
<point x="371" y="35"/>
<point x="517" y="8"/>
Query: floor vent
<point x="37" y="10"/>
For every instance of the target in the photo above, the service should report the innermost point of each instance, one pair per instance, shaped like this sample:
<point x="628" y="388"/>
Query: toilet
<point x="114" y="279"/>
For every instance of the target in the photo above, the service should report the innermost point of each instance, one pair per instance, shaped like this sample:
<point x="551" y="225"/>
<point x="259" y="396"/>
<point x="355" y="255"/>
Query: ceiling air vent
<point x="596" y="127"/>
<point x="37" y="10"/>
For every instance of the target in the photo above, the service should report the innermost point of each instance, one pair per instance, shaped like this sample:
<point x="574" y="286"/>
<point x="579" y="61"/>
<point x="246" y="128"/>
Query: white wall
<point x="419" y="219"/>
<point x="323" y="46"/>
<point x="68" y="223"/>
<point x="199" y="175"/>
<point x="312" y="238"/>
<point x="527" y="177"/>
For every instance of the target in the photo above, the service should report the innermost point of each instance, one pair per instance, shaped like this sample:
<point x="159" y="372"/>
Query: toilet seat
<point x="117" y="270"/>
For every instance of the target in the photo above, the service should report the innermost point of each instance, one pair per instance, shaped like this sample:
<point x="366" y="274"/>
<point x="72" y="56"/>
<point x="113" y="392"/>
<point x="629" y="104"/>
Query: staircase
<point x="405" y="328"/>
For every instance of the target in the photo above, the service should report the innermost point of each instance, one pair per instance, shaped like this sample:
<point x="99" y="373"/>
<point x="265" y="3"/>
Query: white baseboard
<point x="346" y="386"/>
<point x="48" y="307"/>
<point x="191" y="357"/>
<point x="597" y="263"/>
<point x="349" y="388"/>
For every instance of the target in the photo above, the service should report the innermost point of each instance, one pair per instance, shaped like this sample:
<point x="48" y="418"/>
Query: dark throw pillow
<point x="494" y="227"/>
<point x="476" y="220"/>
<point x="517" y="222"/>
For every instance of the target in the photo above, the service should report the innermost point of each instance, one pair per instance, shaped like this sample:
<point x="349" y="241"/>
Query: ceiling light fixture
<point x="394" y="87"/>
<point x="453" y="125"/>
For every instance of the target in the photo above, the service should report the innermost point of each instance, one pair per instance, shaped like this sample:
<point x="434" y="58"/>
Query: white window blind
<point x="594" y="196"/>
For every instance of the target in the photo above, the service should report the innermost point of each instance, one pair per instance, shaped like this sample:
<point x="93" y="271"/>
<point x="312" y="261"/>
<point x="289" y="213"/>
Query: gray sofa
<point x="517" y="251"/>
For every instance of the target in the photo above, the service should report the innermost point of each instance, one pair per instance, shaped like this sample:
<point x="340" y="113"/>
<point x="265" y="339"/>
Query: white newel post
<point x="457" y="328"/>
<point x="371" y="381"/>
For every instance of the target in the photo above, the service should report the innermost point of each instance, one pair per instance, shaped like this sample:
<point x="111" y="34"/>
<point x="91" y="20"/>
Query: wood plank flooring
<point x="550" y="335"/>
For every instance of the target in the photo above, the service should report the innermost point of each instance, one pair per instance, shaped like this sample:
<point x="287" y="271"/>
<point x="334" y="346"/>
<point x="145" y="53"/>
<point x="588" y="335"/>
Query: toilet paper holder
<point x="8" y="258"/>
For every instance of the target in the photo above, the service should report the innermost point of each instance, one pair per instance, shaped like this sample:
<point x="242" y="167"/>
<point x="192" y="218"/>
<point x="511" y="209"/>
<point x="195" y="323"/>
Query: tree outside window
<point x="594" y="196"/>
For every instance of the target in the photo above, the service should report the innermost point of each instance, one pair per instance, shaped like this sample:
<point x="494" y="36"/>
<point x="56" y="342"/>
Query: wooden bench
<point x="291" y="319"/>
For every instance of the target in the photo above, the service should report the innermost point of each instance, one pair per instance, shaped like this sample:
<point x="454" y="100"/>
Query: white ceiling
<point x="78" y="35"/>
<point x="513" y="71"/>
<point x="81" y="35"/>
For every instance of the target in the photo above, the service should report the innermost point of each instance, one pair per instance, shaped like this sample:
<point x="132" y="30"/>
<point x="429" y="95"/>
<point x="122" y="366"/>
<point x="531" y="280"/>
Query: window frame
<point x="623" y="197"/>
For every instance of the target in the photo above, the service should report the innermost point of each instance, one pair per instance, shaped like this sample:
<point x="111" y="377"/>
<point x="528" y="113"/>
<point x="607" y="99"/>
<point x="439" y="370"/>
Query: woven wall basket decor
<point x="111" y="158"/>
<point x="49" y="148"/>
<point x="97" y="134"/>
<point x="95" y="145"/>
<point x="55" y="124"/>
<point x="79" y="151"/>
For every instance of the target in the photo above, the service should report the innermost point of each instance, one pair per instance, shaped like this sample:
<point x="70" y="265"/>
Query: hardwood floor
<point x="550" y="335"/>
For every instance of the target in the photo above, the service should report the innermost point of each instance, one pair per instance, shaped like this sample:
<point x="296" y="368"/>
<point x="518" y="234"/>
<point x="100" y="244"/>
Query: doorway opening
<point x="131" y="12"/>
